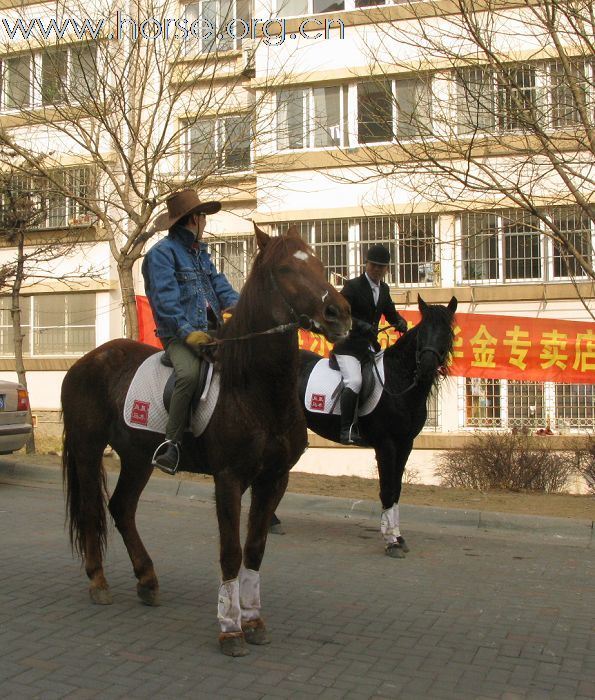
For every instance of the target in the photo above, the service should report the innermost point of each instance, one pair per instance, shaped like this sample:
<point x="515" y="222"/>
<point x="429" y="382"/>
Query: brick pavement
<point x="504" y="612"/>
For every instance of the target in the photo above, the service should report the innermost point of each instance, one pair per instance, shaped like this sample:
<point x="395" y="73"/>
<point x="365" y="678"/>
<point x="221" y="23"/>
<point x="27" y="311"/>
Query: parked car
<point x="15" y="421"/>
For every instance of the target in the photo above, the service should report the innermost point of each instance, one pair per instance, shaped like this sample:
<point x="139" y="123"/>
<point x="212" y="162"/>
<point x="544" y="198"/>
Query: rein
<point x="415" y="382"/>
<point x="301" y="321"/>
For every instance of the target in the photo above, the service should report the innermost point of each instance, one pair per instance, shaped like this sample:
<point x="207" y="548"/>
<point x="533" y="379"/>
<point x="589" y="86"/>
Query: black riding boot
<point x="349" y="430"/>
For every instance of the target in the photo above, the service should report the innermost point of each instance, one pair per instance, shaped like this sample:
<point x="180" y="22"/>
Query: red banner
<point x="493" y="347"/>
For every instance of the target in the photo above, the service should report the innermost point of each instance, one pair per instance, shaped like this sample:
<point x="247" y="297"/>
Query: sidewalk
<point x="579" y="532"/>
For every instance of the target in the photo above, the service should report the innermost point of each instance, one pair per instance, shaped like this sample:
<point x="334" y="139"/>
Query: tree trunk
<point x="128" y="298"/>
<point x="15" y="312"/>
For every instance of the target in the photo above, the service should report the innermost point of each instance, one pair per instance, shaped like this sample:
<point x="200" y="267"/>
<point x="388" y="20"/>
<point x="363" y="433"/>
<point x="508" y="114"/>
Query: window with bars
<point x="569" y="85"/>
<point x="219" y="145"/>
<point x="575" y="406"/>
<point x="511" y="245"/>
<point x="302" y="8"/>
<point x="417" y="249"/>
<point x="57" y="202"/>
<point x="53" y="324"/>
<point x="482" y="403"/>
<point x="312" y="117"/>
<point x="518" y="405"/>
<point x="233" y="257"/>
<point x="516" y="97"/>
<point x="342" y="245"/>
<point x="52" y="77"/>
<point x="572" y="234"/>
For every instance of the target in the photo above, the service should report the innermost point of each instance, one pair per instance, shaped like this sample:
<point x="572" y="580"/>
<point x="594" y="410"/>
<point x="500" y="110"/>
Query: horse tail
<point x="86" y="491"/>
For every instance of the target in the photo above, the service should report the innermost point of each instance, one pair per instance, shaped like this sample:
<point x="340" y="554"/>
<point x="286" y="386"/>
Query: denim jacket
<point x="180" y="280"/>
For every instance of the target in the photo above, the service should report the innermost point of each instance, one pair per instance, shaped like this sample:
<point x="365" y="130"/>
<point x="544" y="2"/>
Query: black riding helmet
<point x="378" y="254"/>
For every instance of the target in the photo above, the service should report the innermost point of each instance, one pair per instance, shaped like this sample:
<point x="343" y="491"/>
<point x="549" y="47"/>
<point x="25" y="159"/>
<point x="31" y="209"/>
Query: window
<point x="475" y="100"/>
<point x="414" y="107"/>
<point x="517" y="97"/>
<point x="301" y="8"/>
<point x="232" y="258"/>
<point x="510" y="245"/>
<point x="547" y="94"/>
<point x="375" y="112"/>
<point x="54" y="324"/>
<point x="54" y="71"/>
<point x="221" y="145"/>
<point x="575" y="406"/>
<point x="522" y="247"/>
<point x="55" y="76"/>
<point x="568" y="90"/>
<point x="312" y="118"/>
<point x="292" y="108"/>
<point x="482" y="403"/>
<point x="416" y="249"/>
<point x="525" y="404"/>
<point x="480" y="247"/>
<point x="571" y="231"/>
<point x="17" y="82"/>
<point x="342" y="244"/>
<point x="212" y="24"/>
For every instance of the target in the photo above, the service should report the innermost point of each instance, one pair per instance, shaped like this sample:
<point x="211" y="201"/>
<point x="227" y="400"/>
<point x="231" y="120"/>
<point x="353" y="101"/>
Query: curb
<point x="423" y="518"/>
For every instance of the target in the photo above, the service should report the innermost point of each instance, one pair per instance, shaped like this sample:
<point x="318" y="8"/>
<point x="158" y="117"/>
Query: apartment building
<point x="360" y="122"/>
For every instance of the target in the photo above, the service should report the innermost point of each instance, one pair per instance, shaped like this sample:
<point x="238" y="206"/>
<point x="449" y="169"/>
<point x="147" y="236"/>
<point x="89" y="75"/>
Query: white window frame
<point x="35" y="59"/>
<point x="31" y="329"/>
<point x="309" y="125"/>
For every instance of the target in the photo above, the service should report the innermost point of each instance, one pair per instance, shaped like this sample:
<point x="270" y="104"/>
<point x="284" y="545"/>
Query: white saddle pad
<point x="144" y="409"/>
<point x="322" y="389"/>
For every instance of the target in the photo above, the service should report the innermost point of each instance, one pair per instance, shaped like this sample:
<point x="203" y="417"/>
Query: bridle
<point x="299" y="320"/>
<point x="441" y="357"/>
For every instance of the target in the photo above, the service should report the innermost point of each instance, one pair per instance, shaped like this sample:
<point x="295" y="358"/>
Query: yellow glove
<point x="197" y="338"/>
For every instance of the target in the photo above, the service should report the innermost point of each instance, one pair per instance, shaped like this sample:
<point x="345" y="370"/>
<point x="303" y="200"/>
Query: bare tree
<point x="31" y="260"/>
<point x="150" y="105"/>
<point x="489" y="109"/>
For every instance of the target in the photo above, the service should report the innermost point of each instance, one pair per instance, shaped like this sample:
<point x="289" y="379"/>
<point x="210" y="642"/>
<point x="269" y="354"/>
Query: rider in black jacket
<point x="370" y="298"/>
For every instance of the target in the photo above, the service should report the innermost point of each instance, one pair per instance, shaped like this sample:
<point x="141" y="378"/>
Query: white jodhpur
<point x="228" y="606"/>
<point x="249" y="594"/>
<point x="389" y="524"/>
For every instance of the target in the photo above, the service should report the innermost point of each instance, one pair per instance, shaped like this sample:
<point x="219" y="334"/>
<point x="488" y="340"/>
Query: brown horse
<point x="256" y="434"/>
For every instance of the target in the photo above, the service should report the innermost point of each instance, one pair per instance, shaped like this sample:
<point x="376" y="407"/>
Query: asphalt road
<point x="484" y="606"/>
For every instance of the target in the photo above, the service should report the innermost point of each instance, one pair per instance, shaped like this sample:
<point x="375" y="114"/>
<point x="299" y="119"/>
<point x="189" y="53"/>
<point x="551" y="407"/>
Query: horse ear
<point x="293" y="232"/>
<point x="261" y="237"/>
<point x="452" y="305"/>
<point x="422" y="305"/>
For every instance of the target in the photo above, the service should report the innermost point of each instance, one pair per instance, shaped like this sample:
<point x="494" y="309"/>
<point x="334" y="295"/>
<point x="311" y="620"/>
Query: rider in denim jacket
<point x="182" y="284"/>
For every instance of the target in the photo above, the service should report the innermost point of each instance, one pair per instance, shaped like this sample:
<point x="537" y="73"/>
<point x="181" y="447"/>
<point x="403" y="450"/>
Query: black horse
<point x="412" y="367"/>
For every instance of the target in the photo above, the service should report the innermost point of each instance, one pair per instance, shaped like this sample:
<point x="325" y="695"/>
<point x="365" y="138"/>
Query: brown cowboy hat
<point x="180" y="204"/>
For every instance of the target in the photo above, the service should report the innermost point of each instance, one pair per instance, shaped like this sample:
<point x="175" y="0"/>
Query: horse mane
<point x="253" y="312"/>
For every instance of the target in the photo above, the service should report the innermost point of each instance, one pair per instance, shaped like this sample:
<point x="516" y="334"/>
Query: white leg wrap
<point x="389" y="524"/>
<point x="228" y="606"/>
<point x="250" y="594"/>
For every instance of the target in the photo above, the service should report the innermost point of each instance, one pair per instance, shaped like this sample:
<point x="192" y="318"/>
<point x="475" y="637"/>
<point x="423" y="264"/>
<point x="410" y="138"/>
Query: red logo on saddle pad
<point x="140" y="412"/>
<point x="317" y="402"/>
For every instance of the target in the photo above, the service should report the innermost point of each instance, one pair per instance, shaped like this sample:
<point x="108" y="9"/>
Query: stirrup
<point x="164" y="468"/>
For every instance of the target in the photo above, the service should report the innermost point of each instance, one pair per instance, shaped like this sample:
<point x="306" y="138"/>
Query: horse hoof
<point x="233" y="644"/>
<point x="255" y="632"/>
<point x="276" y="529"/>
<point x="148" y="596"/>
<point x="404" y="547"/>
<point x="395" y="551"/>
<point x="101" y="596"/>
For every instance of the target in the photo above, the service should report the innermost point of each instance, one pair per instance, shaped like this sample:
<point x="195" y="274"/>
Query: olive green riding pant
<point x="186" y="365"/>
